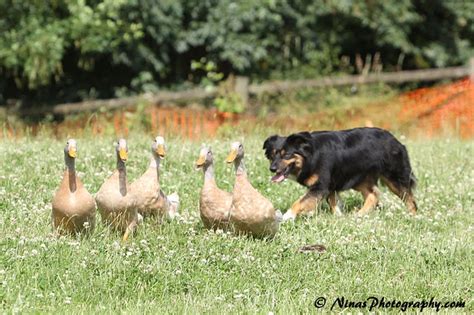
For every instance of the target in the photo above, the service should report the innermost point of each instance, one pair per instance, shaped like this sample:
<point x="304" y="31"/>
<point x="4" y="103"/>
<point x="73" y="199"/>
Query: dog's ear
<point x="268" y="144"/>
<point x="301" y="142"/>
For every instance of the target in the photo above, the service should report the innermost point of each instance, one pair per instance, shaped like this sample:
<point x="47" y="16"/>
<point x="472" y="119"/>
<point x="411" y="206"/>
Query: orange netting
<point x="441" y="108"/>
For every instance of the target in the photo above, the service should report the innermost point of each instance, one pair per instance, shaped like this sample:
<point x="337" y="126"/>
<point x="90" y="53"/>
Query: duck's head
<point x="205" y="158"/>
<point x="158" y="147"/>
<point x="121" y="149"/>
<point x="236" y="152"/>
<point x="70" y="150"/>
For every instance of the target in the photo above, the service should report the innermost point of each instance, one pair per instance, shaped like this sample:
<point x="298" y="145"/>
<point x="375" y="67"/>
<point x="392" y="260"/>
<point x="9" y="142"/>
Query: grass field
<point x="179" y="267"/>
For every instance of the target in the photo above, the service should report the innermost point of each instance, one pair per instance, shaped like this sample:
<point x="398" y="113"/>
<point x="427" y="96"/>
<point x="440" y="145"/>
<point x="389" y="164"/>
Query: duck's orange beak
<point x="123" y="154"/>
<point x="72" y="152"/>
<point x="201" y="160"/>
<point x="231" y="157"/>
<point x="160" y="150"/>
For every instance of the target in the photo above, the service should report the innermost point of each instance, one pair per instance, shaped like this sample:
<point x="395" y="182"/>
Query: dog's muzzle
<point x="281" y="175"/>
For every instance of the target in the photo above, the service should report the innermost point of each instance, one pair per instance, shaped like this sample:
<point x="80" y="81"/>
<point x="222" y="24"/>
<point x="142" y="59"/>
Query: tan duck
<point x="116" y="203"/>
<point x="151" y="201"/>
<point x="73" y="206"/>
<point x="250" y="213"/>
<point x="214" y="203"/>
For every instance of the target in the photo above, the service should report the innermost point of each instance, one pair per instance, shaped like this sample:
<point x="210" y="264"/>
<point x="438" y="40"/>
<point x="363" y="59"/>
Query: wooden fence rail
<point x="122" y="103"/>
<point x="387" y="77"/>
<point x="244" y="89"/>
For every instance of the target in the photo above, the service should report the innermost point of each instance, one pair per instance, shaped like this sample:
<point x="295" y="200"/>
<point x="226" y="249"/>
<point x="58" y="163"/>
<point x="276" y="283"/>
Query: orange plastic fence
<point x="431" y="110"/>
<point x="184" y="122"/>
<point x="187" y="123"/>
<point x="435" y="109"/>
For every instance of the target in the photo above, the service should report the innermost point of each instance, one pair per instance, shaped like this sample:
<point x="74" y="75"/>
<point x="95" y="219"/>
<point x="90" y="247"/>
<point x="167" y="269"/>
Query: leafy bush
<point x="60" y="50"/>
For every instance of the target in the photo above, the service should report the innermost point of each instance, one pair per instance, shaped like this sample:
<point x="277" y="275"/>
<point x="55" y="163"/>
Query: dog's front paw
<point x="289" y="216"/>
<point x="278" y="216"/>
<point x="337" y="211"/>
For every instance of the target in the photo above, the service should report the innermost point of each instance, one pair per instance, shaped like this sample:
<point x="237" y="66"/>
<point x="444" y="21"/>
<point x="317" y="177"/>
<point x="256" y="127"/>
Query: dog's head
<point x="271" y="145"/>
<point x="289" y="159"/>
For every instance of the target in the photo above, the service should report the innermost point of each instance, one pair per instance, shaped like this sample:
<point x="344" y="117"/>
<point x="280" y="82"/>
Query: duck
<point x="117" y="205"/>
<point x="250" y="213"/>
<point x="73" y="207"/>
<point x="214" y="203"/>
<point x="151" y="200"/>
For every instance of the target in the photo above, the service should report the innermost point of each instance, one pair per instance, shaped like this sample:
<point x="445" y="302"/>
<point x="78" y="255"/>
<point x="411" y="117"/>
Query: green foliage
<point x="230" y="103"/>
<point x="227" y="100"/>
<point x="211" y="77"/>
<point x="61" y="49"/>
<point x="38" y="34"/>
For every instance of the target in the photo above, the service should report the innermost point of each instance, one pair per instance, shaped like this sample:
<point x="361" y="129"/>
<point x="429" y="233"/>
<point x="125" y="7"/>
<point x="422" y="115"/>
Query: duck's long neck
<point x="209" y="172"/>
<point x="71" y="170"/>
<point x="122" y="176"/>
<point x="155" y="163"/>
<point x="240" y="167"/>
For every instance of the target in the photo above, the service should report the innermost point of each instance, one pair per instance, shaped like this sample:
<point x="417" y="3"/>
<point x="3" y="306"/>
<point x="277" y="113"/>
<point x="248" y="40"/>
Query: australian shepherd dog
<point x="327" y="162"/>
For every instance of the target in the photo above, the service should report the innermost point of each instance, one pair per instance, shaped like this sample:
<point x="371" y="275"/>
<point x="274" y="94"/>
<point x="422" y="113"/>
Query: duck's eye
<point x="240" y="146"/>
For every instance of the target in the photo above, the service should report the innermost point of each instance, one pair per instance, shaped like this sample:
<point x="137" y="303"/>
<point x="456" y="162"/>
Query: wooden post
<point x="241" y="88"/>
<point x="471" y="69"/>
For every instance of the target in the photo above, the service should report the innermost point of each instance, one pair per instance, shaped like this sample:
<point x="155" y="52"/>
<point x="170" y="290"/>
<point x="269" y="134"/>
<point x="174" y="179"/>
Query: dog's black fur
<point x="342" y="160"/>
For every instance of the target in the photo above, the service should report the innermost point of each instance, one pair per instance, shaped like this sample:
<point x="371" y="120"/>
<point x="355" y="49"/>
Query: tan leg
<point x="126" y="235"/>
<point x="369" y="190"/>
<point x="131" y="226"/>
<point x="306" y="204"/>
<point x="334" y="203"/>
<point x="403" y="194"/>
<point x="130" y="229"/>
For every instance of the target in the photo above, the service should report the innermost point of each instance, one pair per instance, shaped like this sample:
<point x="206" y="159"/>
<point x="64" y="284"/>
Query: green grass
<point x="179" y="267"/>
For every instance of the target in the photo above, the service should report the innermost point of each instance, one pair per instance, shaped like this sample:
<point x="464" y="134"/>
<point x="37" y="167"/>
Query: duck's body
<point x="214" y="206"/>
<point x="117" y="209"/>
<point x="214" y="203"/>
<point x="151" y="200"/>
<point x="73" y="207"/>
<point x="250" y="213"/>
<point x="117" y="205"/>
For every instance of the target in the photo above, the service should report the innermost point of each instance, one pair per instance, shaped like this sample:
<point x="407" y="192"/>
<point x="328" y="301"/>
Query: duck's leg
<point x="125" y="237"/>
<point x="305" y="204"/>
<point x="130" y="229"/>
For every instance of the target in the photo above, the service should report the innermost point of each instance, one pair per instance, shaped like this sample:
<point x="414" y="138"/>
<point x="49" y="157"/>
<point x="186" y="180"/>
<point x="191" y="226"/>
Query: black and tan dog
<point x="331" y="161"/>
